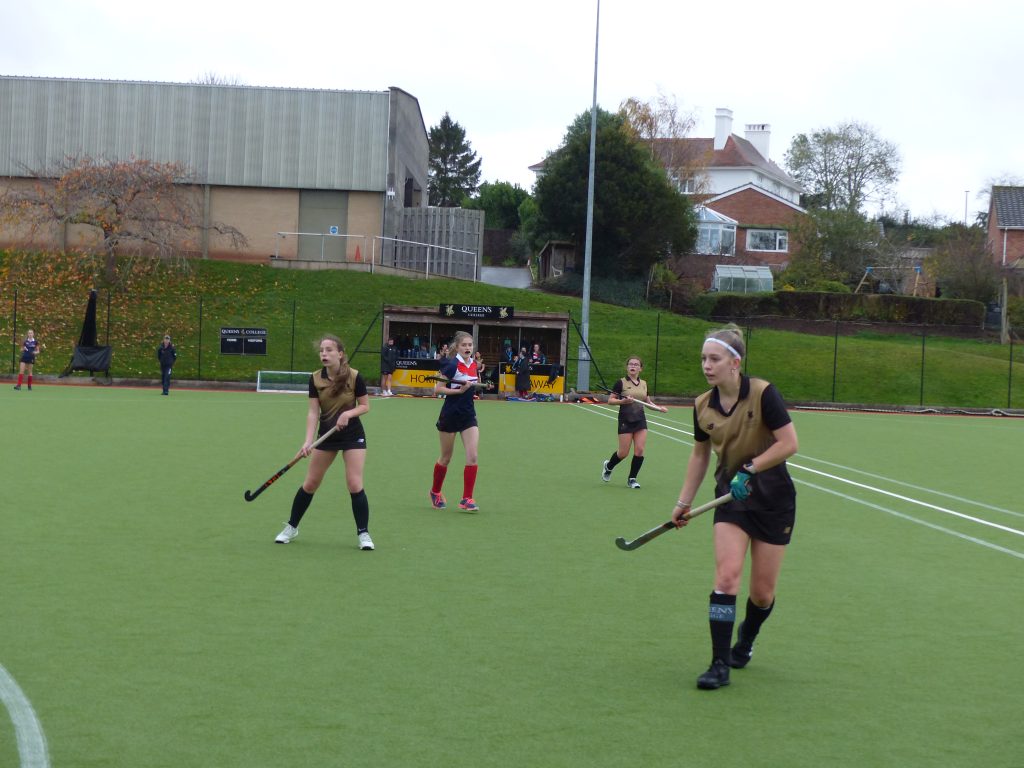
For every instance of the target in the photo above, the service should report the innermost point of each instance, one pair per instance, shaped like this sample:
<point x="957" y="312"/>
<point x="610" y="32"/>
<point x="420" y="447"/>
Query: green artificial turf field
<point x="149" y="619"/>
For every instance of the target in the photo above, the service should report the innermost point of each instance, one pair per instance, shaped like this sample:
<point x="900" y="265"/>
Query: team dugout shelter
<point x="499" y="332"/>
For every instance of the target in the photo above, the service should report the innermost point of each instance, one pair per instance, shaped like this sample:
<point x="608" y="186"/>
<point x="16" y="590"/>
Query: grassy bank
<point x="50" y="293"/>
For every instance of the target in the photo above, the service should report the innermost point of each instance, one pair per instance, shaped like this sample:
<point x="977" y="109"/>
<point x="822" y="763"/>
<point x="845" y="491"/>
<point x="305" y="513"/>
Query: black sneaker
<point x="17" y="386"/>
<point x="742" y="651"/>
<point x="716" y="676"/>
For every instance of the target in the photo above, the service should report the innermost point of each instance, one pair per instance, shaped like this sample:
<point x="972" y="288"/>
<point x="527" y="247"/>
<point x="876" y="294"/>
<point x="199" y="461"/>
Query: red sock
<point x="439" y="473"/>
<point x="20" y="377"/>
<point x="468" y="480"/>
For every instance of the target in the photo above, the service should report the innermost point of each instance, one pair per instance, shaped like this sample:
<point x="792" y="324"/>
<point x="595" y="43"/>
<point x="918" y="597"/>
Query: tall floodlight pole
<point x="583" y="375"/>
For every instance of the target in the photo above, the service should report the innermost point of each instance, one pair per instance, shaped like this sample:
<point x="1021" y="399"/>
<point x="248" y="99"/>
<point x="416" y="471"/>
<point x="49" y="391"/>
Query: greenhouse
<point x="742" y="279"/>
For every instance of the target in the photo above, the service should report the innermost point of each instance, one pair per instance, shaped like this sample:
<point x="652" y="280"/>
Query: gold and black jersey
<point x="743" y="433"/>
<point x="625" y="387"/>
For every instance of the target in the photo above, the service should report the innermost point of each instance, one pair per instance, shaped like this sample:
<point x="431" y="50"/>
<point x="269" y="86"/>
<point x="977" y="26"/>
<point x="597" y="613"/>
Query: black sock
<point x="361" y="511"/>
<point x="299" y="506"/>
<point x="634" y="467"/>
<point x="755" y="617"/>
<point x="613" y="461"/>
<point x="721" y="617"/>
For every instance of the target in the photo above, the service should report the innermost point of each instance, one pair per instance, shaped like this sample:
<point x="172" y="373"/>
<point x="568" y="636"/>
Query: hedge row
<point x="877" y="308"/>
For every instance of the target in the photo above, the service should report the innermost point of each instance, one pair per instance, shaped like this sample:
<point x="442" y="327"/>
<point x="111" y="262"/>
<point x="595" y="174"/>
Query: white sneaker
<point x="287" y="534"/>
<point x="606" y="474"/>
<point x="632" y="483"/>
<point x="365" y="542"/>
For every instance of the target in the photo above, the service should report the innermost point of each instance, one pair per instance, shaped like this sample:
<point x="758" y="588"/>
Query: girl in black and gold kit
<point x="744" y="420"/>
<point x="628" y="393"/>
<point x="337" y="397"/>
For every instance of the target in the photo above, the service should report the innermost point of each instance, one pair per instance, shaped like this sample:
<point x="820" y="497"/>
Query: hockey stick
<point x="250" y="495"/>
<point x="443" y="380"/>
<point x="652" y="406"/>
<point x="642" y="539"/>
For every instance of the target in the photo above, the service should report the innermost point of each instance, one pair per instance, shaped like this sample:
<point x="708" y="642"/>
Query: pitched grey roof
<point x="1009" y="206"/>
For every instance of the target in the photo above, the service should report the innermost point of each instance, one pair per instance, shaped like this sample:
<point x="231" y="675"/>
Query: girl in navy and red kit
<point x="29" y="349"/>
<point x="458" y="417"/>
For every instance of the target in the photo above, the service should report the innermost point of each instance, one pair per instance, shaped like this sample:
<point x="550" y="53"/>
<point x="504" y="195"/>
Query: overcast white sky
<point x="939" y="79"/>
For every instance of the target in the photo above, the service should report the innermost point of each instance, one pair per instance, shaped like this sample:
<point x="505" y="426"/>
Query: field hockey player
<point x="29" y="349"/>
<point x="337" y="398"/>
<point x="628" y="393"/>
<point x="458" y="417"/>
<point x="744" y="420"/>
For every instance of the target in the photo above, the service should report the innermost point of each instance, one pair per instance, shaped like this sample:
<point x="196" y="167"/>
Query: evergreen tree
<point x="639" y="217"/>
<point x="454" y="167"/>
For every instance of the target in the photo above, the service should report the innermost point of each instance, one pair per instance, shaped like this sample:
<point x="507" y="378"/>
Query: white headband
<point x="728" y="346"/>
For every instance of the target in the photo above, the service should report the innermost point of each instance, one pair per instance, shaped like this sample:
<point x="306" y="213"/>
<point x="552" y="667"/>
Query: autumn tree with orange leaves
<point x="135" y="208"/>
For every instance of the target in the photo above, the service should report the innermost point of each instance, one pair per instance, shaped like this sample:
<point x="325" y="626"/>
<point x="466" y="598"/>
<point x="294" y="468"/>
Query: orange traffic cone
<point x="359" y="256"/>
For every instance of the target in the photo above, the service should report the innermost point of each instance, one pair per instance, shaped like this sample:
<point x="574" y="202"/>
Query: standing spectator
<point x="166" y="354"/>
<point x="30" y="348"/>
<point x="442" y="351"/>
<point x="521" y="366"/>
<point x="388" y="363"/>
<point x="337" y="398"/>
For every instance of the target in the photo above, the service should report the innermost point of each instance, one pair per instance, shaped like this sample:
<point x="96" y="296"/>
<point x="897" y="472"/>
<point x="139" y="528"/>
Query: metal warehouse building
<point x="284" y="166"/>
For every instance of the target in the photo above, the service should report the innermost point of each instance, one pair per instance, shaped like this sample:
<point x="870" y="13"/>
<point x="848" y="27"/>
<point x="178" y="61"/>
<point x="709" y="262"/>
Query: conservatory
<point x="716" y="233"/>
<point x="742" y="279"/>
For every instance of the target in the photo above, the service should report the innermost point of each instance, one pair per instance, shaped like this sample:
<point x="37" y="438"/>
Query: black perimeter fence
<point x="828" y="362"/>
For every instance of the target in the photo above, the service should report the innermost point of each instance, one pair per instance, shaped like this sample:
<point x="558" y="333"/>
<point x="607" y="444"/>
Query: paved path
<point x="507" y="277"/>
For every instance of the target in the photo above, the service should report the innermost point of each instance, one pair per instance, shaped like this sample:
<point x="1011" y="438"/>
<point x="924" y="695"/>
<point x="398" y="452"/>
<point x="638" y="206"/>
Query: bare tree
<point x="662" y="128"/>
<point x="212" y="78"/>
<point x="845" y="167"/>
<point x="963" y="264"/>
<point x="135" y="207"/>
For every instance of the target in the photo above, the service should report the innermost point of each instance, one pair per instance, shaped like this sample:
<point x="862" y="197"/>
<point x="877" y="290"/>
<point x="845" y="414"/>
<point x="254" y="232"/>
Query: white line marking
<point x="874" y="489"/>
<point x="901" y="497"/>
<point x="912" y="519"/>
<point x="916" y="487"/>
<point x="27" y="730"/>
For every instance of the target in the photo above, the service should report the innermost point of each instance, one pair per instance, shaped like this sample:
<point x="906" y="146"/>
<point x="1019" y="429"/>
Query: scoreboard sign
<point x="243" y="341"/>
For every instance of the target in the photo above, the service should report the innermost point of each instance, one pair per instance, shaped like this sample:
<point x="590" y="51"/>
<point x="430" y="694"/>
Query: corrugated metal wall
<point x="228" y="135"/>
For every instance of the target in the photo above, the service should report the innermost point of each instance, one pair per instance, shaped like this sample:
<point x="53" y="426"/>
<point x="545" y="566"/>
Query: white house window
<point x="715" y="233"/>
<point x="767" y="240"/>
<point x="686" y="185"/>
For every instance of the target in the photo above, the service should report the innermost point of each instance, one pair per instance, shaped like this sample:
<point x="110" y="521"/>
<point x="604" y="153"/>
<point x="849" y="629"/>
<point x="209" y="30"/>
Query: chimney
<point x="723" y="127"/>
<point x="759" y="135"/>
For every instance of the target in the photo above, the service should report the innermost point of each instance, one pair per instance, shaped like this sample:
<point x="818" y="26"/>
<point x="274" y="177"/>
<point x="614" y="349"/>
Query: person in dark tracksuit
<point x="166" y="354"/>
<point x="745" y="422"/>
<point x="388" y="363"/>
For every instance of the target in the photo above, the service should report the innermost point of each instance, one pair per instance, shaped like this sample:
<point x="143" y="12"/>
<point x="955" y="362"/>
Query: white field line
<point x="932" y="491"/>
<point x="910" y="518"/>
<point x="875" y="489"/>
<point x="27" y="730"/>
<point x="901" y="497"/>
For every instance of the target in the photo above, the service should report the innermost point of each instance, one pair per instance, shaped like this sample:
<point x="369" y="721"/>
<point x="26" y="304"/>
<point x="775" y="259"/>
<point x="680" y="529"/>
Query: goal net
<point x="282" y="381"/>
